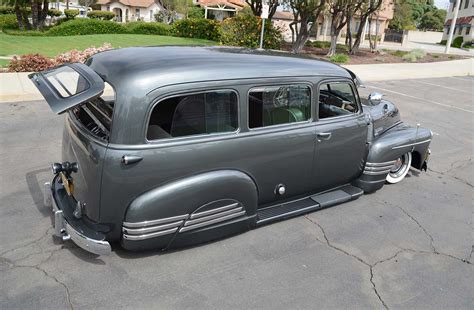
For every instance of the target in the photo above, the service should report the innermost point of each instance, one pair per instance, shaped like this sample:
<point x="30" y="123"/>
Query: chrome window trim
<point x="308" y="121"/>
<point x="157" y="100"/>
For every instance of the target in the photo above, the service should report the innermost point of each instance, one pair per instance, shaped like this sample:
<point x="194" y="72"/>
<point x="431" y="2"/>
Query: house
<point x="220" y="9"/>
<point x="72" y="6"/>
<point x="464" y="21"/>
<point x="131" y="10"/>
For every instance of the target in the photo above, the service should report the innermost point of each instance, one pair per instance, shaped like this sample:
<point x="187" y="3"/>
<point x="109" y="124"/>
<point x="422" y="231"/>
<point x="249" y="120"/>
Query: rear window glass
<point x="197" y="114"/>
<point x="66" y="81"/>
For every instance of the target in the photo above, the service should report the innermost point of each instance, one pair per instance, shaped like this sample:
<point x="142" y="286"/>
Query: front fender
<point x="170" y="207"/>
<point x="389" y="146"/>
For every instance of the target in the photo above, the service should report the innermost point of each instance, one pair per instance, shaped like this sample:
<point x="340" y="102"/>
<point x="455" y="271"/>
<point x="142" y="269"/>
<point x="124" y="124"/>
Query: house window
<point x="275" y="105"/>
<point x="468" y="29"/>
<point x="137" y="13"/>
<point x="336" y="99"/>
<point x="459" y="30"/>
<point x="467" y="4"/>
<point x="197" y="114"/>
<point x="447" y="29"/>
<point x="108" y="8"/>
<point x="151" y="15"/>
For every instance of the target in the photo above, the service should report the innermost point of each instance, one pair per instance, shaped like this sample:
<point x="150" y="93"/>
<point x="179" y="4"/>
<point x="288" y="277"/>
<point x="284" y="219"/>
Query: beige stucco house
<point x="131" y="10"/>
<point x="464" y="21"/>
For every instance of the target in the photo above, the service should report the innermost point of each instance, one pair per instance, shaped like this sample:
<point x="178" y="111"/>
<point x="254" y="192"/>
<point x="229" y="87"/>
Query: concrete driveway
<point x="406" y="246"/>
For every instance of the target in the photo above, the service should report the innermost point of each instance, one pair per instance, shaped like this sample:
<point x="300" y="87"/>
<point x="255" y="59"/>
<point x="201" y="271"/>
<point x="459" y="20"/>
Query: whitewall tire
<point x="400" y="169"/>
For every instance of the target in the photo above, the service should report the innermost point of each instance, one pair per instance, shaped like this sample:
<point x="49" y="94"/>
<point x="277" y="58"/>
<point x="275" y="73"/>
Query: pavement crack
<point x="421" y="227"/>
<point x="28" y="244"/>
<point x="329" y="244"/>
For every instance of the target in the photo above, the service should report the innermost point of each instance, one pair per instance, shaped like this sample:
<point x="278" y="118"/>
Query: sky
<point x="441" y="4"/>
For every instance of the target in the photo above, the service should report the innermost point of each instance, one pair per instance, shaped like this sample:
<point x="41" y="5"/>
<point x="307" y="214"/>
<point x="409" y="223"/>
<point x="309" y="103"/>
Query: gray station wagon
<point x="165" y="147"/>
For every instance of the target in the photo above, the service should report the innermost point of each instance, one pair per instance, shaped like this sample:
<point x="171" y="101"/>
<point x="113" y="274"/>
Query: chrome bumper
<point x="63" y="230"/>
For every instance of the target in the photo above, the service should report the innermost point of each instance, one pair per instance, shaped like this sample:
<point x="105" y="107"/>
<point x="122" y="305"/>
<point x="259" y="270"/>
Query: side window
<point x="196" y="114"/>
<point x="276" y="105"/>
<point x="336" y="99"/>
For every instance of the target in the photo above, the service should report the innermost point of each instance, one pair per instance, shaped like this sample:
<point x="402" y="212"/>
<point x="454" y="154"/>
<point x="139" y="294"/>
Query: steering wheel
<point x="280" y="98"/>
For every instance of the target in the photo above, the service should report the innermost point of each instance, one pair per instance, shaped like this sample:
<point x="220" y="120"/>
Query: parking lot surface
<point x="406" y="246"/>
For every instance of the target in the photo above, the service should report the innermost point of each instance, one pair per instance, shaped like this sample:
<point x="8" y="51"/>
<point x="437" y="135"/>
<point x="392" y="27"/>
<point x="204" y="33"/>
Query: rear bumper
<point x="69" y="229"/>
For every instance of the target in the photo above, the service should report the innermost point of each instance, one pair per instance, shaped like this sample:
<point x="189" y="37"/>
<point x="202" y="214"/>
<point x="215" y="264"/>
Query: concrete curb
<point x="16" y="87"/>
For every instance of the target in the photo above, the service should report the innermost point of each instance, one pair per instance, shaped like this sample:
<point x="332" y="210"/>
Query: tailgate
<point x="67" y="86"/>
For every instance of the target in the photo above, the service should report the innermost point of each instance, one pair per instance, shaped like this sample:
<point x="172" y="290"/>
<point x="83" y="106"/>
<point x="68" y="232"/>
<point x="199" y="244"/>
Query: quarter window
<point x="336" y="99"/>
<point x="196" y="114"/>
<point x="275" y="105"/>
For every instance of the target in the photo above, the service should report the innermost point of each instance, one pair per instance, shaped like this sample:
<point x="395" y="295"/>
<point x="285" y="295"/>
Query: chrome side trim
<point x="204" y="213"/>
<point x="217" y="220"/>
<point x="378" y="168"/>
<point x="211" y="217"/>
<point x="411" y="144"/>
<point x="148" y="236"/>
<point x="155" y="222"/>
<point x="387" y="163"/>
<point x="377" y="172"/>
<point x="150" y="229"/>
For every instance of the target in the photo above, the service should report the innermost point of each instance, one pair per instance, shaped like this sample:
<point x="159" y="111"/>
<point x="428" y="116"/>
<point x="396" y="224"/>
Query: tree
<point x="366" y="10"/>
<point x="21" y="12"/>
<point x="433" y="20"/>
<point x="402" y="16"/>
<point x="305" y="15"/>
<point x="340" y="11"/>
<point x="39" y="11"/>
<point x="256" y="6"/>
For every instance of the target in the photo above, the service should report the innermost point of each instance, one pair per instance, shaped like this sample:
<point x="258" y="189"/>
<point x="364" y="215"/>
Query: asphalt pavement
<point x="407" y="246"/>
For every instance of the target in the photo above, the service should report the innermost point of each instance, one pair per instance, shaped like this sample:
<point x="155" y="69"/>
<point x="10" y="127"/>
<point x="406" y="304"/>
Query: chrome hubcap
<point x="399" y="167"/>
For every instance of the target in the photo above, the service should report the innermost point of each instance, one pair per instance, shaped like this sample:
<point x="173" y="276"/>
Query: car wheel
<point x="399" y="169"/>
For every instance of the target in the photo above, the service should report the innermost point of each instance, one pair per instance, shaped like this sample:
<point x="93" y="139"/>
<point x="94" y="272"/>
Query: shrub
<point x="339" y="58"/>
<point x="103" y="15"/>
<point x="457" y="42"/>
<point x="319" y="44"/>
<point x="79" y="56"/>
<point x="196" y="28"/>
<point x="244" y="30"/>
<point x="399" y="53"/>
<point x="443" y="42"/>
<point x="196" y="12"/>
<point x="8" y="21"/>
<point x="84" y="26"/>
<point x="148" y="28"/>
<point x="71" y="14"/>
<point x="54" y="13"/>
<point x="414" y="55"/>
<point x="30" y="62"/>
<point x="7" y="10"/>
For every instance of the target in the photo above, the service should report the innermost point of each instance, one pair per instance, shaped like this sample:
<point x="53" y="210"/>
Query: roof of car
<point x="144" y="69"/>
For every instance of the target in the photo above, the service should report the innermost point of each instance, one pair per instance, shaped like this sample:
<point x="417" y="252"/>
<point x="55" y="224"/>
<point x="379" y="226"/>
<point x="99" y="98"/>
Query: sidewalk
<point x="17" y="87"/>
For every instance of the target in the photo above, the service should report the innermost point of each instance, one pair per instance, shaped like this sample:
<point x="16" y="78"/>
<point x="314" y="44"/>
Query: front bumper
<point x="66" y="231"/>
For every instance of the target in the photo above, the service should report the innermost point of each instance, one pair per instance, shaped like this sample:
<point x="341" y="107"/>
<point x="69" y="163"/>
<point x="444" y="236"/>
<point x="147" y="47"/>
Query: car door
<point x="341" y="135"/>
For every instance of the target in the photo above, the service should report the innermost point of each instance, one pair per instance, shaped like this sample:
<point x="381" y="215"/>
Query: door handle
<point x="323" y="136"/>
<point x="130" y="159"/>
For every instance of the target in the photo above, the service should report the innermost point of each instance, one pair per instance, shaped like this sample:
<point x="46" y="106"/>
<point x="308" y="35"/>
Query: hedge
<point x="84" y="26"/>
<point x="244" y="30"/>
<point x="7" y="10"/>
<point x="457" y="42"/>
<point x="70" y="14"/>
<point x="199" y="28"/>
<point x="103" y="15"/>
<point x="54" y="13"/>
<point x="148" y="28"/>
<point x="8" y="21"/>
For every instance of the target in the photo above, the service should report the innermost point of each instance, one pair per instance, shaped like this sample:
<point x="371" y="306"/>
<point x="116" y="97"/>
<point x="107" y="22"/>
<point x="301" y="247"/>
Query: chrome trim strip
<point x="377" y="172"/>
<point x="387" y="163"/>
<point x="155" y="222"/>
<point x="148" y="236"/>
<point x="378" y="168"/>
<point x="216" y="210"/>
<point x="150" y="229"/>
<point x="411" y="144"/>
<point x="212" y="216"/>
<point x="217" y="220"/>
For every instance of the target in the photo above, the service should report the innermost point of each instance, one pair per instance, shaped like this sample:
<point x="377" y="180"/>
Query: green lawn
<point x="4" y="62"/>
<point x="51" y="46"/>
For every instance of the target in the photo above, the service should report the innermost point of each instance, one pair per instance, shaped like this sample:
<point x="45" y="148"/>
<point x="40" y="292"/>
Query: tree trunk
<point x="34" y="14"/>
<point x="355" y="48"/>
<point x="19" y="17"/>
<point x="349" y="31"/>
<point x="301" y="37"/>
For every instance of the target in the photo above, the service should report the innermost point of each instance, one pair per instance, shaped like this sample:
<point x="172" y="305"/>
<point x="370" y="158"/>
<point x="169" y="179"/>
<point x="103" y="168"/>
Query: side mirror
<point x="375" y="98"/>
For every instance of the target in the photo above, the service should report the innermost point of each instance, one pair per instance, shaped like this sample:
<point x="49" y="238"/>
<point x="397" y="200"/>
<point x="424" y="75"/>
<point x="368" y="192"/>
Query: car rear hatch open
<point x="67" y="86"/>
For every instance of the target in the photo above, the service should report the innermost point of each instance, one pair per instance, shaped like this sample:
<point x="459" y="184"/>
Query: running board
<point x="306" y="205"/>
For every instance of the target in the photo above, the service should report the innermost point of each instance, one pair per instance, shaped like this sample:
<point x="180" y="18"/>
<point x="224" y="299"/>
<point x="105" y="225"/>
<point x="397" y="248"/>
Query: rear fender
<point x="217" y="198"/>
